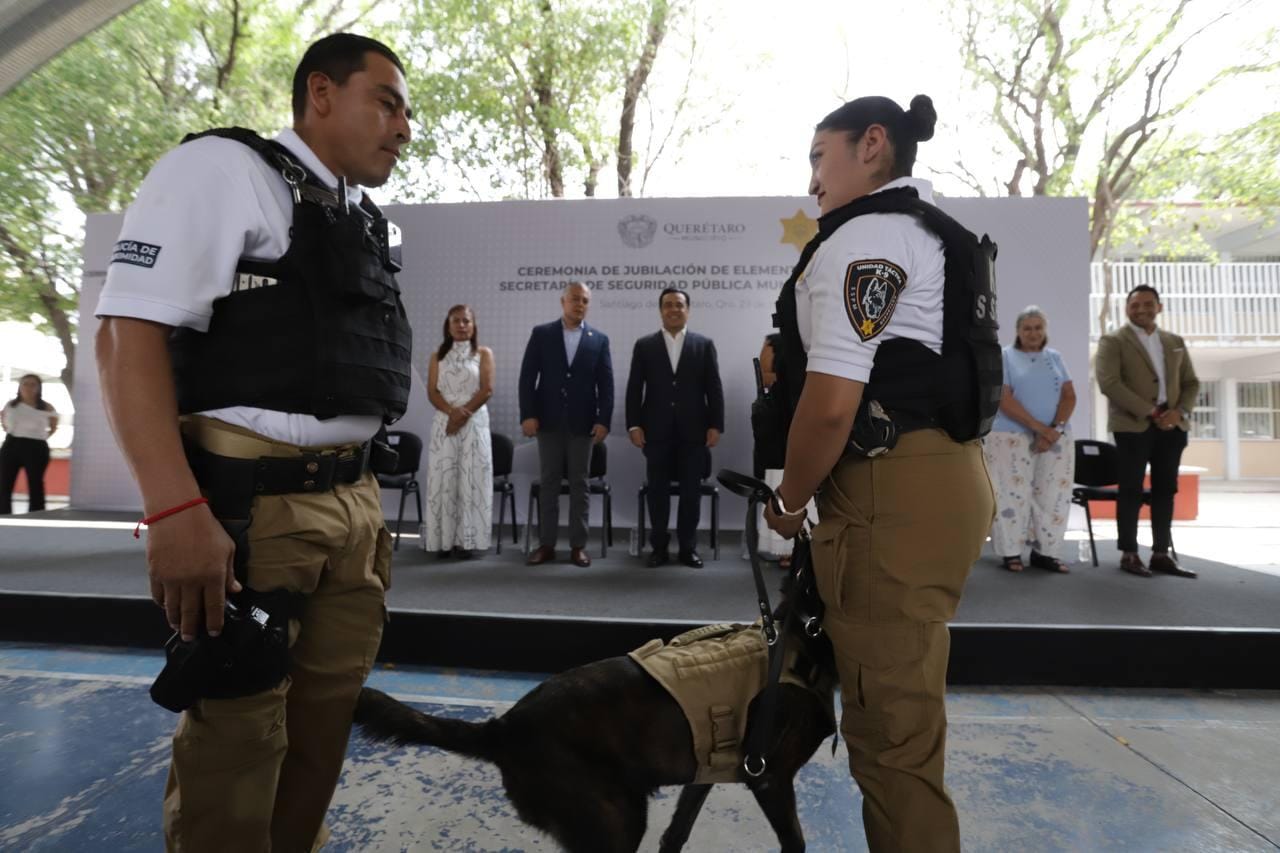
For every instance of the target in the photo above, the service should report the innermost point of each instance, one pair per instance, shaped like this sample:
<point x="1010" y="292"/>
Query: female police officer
<point x="899" y="529"/>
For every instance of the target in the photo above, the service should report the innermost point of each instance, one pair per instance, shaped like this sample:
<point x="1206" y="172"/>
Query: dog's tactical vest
<point x="713" y="673"/>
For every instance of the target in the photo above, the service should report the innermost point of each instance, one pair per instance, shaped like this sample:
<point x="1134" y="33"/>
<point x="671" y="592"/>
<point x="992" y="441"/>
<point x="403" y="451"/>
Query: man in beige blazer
<point x="1146" y="375"/>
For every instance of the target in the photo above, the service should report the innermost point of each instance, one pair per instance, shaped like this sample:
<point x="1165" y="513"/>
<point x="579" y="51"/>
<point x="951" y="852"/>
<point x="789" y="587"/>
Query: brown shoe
<point x="542" y="555"/>
<point x="1165" y="564"/>
<point x="1132" y="564"/>
<point x="580" y="558"/>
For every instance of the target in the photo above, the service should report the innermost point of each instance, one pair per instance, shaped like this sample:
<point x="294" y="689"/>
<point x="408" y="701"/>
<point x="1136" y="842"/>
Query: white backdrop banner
<point x="509" y="261"/>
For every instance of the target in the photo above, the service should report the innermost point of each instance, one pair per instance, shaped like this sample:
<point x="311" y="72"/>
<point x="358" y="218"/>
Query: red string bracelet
<point x="152" y="519"/>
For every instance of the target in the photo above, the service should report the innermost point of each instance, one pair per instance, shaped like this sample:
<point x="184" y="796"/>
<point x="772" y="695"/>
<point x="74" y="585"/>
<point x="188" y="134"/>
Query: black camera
<point x="249" y="656"/>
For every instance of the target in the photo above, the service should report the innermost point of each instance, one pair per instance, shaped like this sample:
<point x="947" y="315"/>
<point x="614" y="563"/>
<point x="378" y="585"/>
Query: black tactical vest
<point x="958" y="390"/>
<point x="321" y="330"/>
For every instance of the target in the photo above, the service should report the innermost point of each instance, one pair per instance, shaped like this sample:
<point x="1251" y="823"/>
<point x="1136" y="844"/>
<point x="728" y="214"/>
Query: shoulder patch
<point x="871" y="291"/>
<point x="133" y="252"/>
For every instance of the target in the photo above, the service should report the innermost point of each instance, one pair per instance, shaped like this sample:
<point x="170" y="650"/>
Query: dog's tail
<point x="385" y="718"/>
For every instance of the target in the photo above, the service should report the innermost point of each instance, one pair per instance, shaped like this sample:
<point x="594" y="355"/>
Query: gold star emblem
<point x="798" y="230"/>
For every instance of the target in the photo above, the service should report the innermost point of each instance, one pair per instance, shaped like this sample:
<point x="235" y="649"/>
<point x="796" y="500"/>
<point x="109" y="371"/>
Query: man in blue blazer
<point x="675" y="413"/>
<point x="566" y="400"/>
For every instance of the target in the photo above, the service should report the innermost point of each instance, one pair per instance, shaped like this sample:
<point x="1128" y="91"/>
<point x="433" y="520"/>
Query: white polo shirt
<point x="879" y="276"/>
<point x="203" y="207"/>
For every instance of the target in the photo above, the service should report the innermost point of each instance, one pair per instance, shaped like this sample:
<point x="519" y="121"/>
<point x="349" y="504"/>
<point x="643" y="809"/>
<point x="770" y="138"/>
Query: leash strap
<point x="760" y="738"/>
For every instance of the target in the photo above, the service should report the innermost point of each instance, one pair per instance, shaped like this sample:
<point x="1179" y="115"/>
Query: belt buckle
<point x="318" y="472"/>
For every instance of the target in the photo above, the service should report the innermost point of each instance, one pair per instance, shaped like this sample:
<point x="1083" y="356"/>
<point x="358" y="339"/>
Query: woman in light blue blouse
<point x="1029" y="451"/>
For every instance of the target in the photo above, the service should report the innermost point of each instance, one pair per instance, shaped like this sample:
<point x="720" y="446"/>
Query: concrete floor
<point x="84" y="754"/>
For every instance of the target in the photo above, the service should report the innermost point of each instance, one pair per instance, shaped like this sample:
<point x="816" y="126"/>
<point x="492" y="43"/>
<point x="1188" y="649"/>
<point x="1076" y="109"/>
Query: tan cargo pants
<point x="257" y="773"/>
<point x="897" y="536"/>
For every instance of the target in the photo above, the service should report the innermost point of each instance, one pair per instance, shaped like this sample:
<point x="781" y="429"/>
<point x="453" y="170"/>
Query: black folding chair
<point x="1097" y="472"/>
<point x="503" y="458"/>
<point x="706" y="488"/>
<point x="597" y="470"/>
<point x="405" y="478"/>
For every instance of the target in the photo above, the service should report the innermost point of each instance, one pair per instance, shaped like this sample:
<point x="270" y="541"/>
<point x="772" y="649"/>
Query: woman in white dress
<point x="459" y="456"/>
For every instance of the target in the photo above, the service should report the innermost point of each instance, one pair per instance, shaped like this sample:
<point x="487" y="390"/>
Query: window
<point x="1205" y="418"/>
<point x="1259" y="408"/>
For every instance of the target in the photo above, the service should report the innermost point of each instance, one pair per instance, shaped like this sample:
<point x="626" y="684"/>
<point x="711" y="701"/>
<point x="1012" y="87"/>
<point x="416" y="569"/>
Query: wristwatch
<point x="786" y="513"/>
<point x="1060" y="426"/>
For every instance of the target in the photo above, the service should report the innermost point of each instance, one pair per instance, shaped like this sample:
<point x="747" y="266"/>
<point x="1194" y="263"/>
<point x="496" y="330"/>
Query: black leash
<point x="757" y="493"/>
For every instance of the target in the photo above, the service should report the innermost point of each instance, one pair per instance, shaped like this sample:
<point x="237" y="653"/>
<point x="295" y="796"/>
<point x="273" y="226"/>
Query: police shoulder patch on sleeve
<point x="136" y="253"/>
<point x="871" y="291"/>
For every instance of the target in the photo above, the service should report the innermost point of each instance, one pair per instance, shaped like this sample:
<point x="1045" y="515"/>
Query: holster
<point x="383" y="458"/>
<point x="252" y="652"/>
<point x="249" y="656"/>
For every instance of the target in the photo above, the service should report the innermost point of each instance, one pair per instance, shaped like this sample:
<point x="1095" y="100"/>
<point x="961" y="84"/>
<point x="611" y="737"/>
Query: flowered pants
<point x="1033" y="492"/>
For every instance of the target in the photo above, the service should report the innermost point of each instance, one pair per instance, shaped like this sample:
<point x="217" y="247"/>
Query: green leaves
<point x="512" y="98"/>
<point x="1096" y="98"/>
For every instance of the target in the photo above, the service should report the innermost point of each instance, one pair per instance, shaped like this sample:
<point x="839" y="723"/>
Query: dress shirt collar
<point x="1142" y="333"/>
<point x="290" y="139"/>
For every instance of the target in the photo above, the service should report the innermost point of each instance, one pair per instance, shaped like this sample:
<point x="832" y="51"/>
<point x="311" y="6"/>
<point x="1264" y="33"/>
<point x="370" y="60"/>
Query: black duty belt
<point x="910" y="422"/>
<point x="233" y="483"/>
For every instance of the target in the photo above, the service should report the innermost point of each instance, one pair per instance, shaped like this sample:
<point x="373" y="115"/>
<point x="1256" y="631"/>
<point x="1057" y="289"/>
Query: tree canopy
<point x="513" y="98"/>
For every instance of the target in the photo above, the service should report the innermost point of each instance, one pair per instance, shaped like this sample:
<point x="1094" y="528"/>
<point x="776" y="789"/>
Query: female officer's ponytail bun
<point x="921" y="118"/>
<point x="905" y="128"/>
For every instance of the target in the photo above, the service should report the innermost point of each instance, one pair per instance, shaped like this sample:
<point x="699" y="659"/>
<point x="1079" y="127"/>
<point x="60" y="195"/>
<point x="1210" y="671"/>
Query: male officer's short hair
<point x="337" y="57"/>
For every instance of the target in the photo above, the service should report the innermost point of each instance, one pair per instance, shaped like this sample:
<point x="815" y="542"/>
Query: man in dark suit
<point x="566" y="400"/>
<point x="675" y="413"/>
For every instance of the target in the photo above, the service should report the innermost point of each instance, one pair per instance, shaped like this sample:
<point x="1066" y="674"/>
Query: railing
<point x="1228" y="304"/>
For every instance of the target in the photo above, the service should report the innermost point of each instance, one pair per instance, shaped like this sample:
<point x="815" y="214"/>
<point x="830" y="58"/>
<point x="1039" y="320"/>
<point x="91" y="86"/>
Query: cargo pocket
<point x="885" y="686"/>
<point x="828" y="564"/>
<point x="382" y="558"/>
<point x="841" y="567"/>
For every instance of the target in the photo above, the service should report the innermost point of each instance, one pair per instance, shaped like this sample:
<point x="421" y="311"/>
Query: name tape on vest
<point x="133" y="252"/>
<point x="246" y="281"/>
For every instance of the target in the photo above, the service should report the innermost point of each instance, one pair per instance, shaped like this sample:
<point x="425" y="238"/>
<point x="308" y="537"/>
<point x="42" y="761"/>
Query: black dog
<point x="581" y="753"/>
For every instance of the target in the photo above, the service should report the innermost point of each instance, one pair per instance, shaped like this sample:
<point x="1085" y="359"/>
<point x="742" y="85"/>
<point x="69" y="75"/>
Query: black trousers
<point x="680" y="462"/>
<point x="1162" y="449"/>
<point x="17" y="454"/>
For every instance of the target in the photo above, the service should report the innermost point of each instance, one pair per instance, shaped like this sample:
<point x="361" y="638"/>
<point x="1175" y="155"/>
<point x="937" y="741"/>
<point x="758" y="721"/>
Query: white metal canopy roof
<point x="34" y="31"/>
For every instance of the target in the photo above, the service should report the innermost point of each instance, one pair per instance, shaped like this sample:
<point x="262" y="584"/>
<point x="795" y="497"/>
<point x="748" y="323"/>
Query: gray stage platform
<point x="109" y="562"/>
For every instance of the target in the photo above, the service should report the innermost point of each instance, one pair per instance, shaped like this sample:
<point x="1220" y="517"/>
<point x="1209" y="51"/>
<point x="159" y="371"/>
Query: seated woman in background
<point x="459" y="456"/>
<point x="28" y="421"/>
<point x="1030" y="454"/>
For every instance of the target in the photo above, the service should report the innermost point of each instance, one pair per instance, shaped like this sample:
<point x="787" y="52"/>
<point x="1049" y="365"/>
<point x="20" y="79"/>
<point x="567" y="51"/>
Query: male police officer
<point x="901" y="523"/>
<point x="252" y="343"/>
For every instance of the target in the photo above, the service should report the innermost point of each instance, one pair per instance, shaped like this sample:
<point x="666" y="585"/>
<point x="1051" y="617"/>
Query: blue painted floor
<point x="83" y="755"/>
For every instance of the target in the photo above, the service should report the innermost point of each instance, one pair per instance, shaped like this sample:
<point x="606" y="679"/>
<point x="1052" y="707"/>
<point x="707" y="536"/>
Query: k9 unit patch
<point x="871" y="291"/>
<point x="133" y="252"/>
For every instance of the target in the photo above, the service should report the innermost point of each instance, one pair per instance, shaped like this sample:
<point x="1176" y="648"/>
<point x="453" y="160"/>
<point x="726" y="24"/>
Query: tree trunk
<point x="66" y="336"/>
<point x="593" y="178"/>
<point x="631" y="92"/>
<point x="544" y="106"/>
<point x="47" y="293"/>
